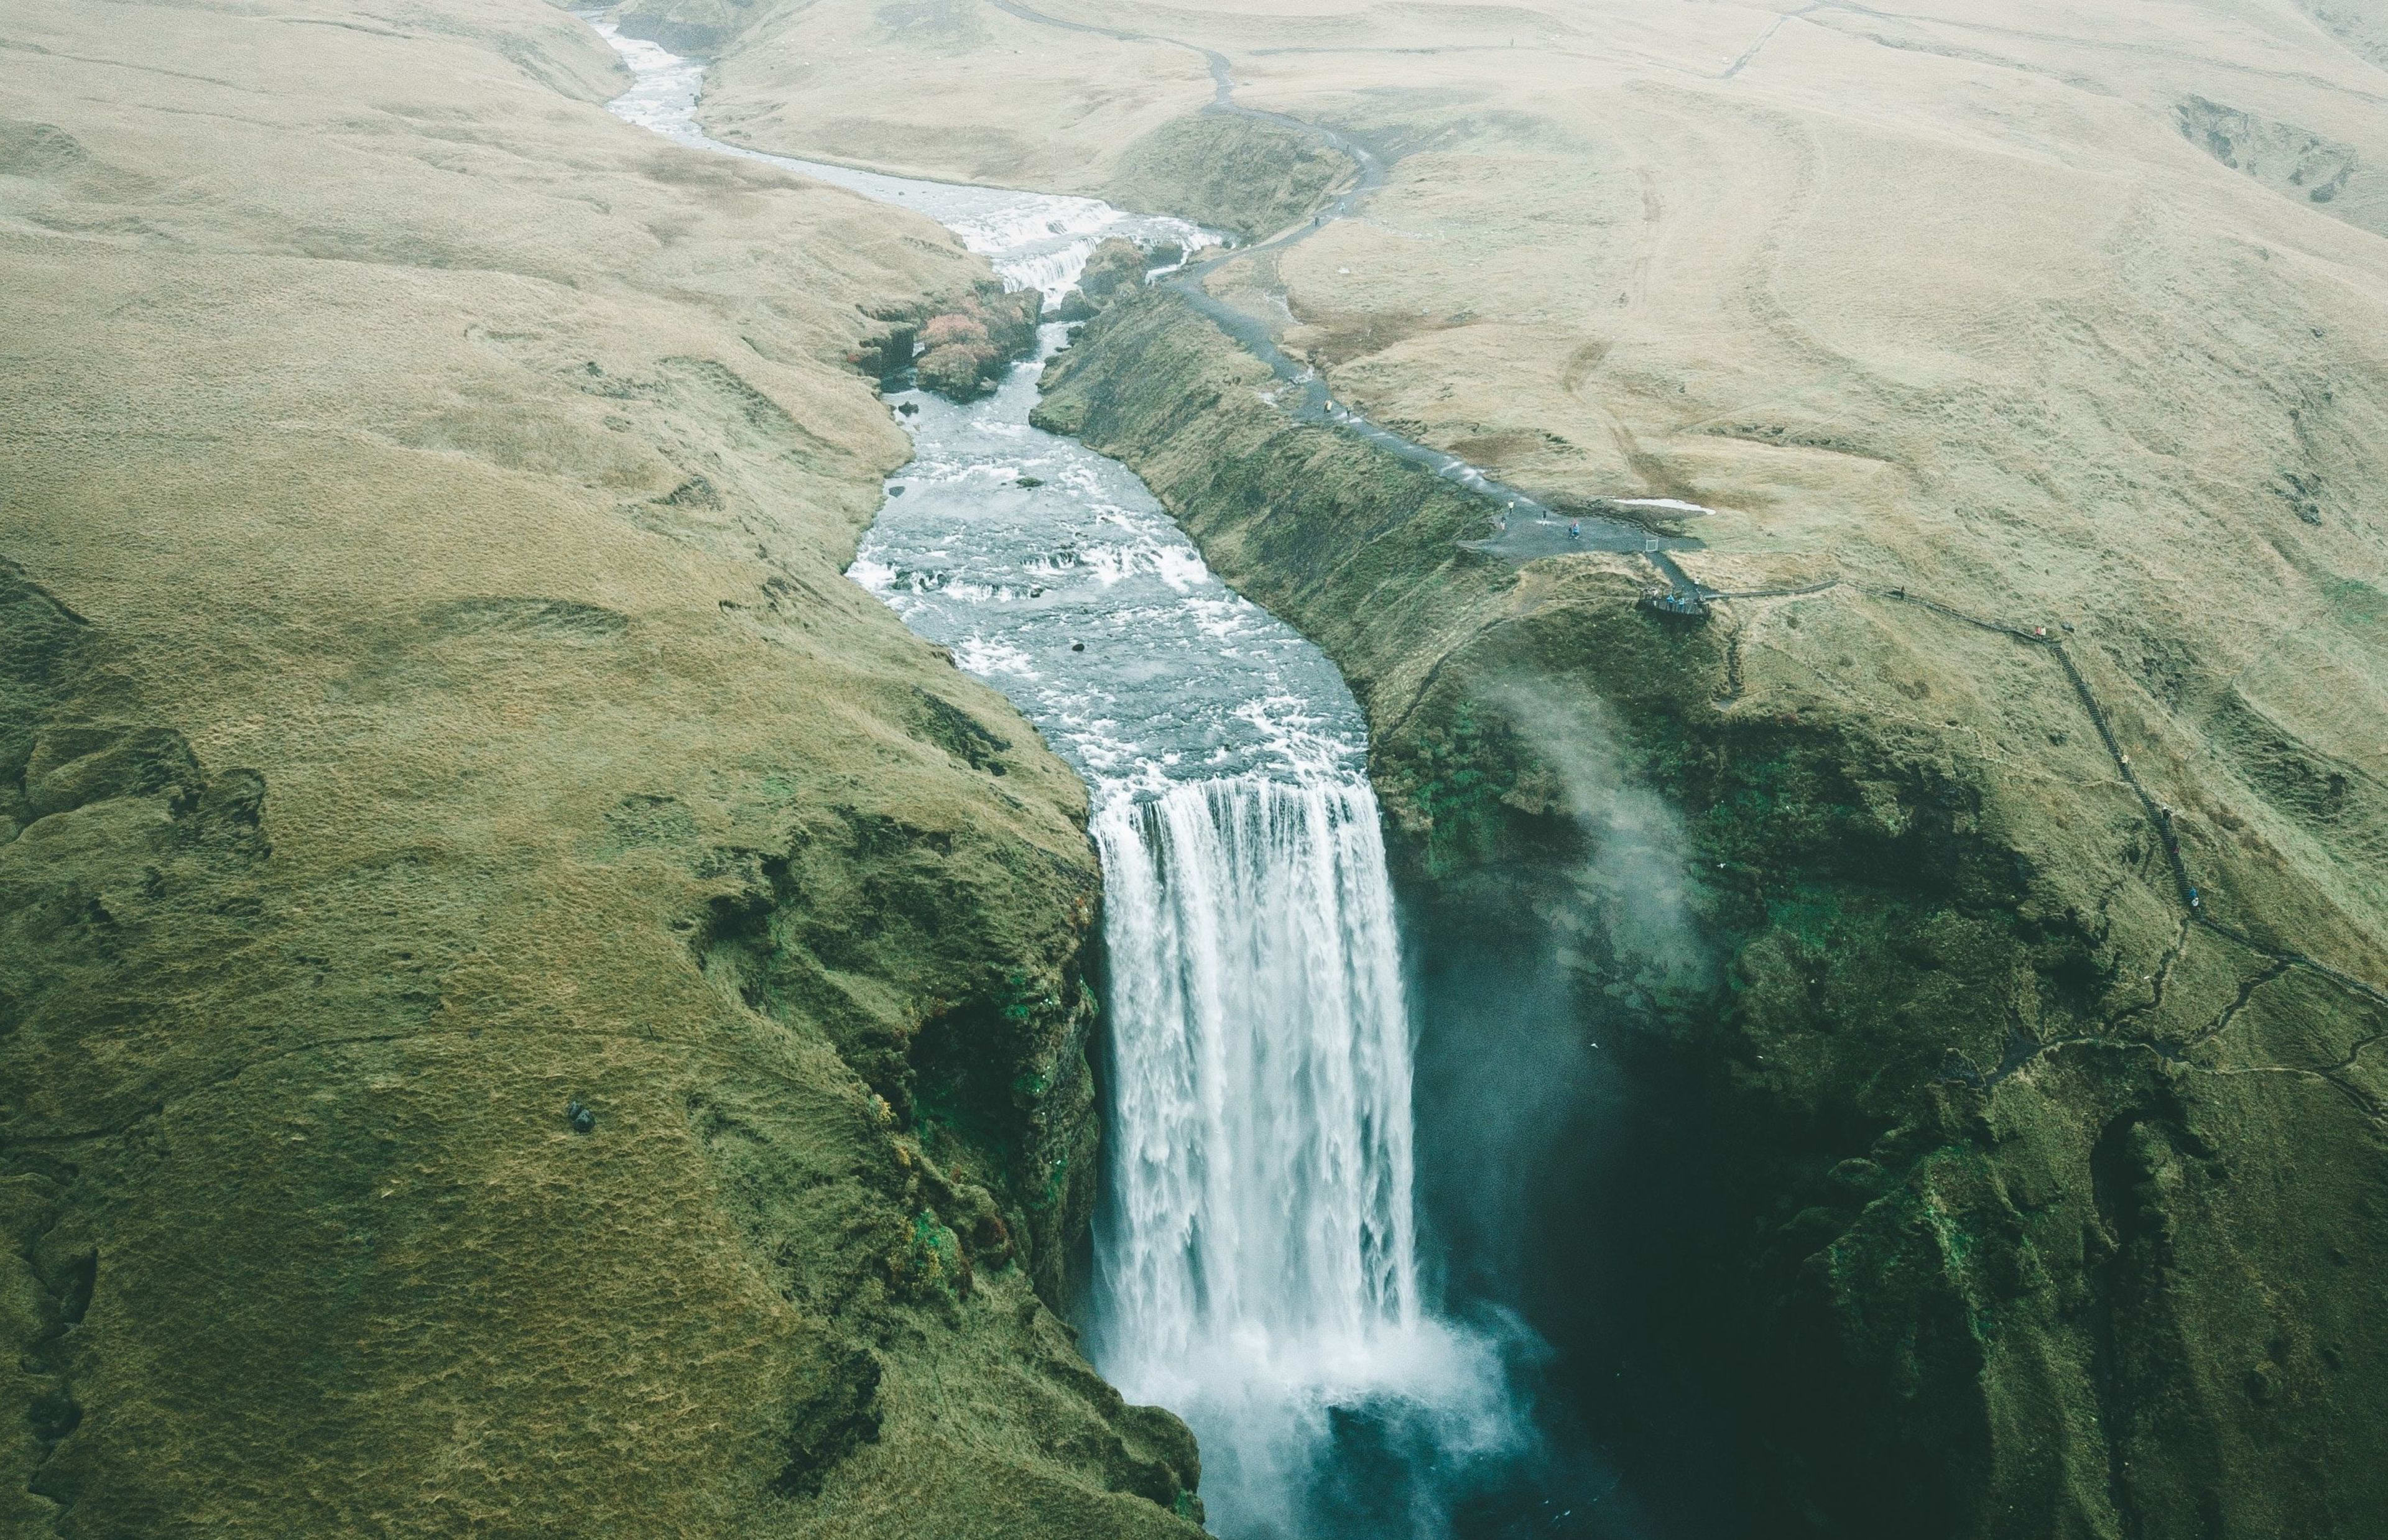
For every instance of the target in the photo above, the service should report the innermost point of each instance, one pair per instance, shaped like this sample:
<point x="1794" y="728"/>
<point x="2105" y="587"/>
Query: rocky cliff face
<point x="2019" y="1194"/>
<point x="698" y="28"/>
<point x="527" y="1003"/>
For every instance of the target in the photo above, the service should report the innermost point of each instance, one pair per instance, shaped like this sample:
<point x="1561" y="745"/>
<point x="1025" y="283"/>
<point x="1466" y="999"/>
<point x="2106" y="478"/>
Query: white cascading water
<point x="1260" y="1079"/>
<point x="1256" y="1259"/>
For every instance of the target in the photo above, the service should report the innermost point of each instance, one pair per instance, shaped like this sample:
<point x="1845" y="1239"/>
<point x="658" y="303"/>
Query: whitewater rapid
<point x="1256" y="1260"/>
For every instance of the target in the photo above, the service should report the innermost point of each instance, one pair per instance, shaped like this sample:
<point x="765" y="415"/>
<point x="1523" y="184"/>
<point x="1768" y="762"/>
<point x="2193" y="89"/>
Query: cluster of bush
<point x="965" y="352"/>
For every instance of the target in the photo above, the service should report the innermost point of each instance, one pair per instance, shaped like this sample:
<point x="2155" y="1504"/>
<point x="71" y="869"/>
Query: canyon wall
<point x="1917" y="1034"/>
<point x="1987" y="1186"/>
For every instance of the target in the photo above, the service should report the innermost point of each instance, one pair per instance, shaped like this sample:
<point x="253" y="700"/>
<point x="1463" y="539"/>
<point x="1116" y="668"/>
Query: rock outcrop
<point x="1116" y="268"/>
<point x="1250" y="178"/>
<point x="965" y="350"/>
<point x="697" y="27"/>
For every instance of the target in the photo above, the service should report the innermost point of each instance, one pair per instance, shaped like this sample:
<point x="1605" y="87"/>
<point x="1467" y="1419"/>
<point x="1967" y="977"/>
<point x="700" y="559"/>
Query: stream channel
<point x="1257" y="1266"/>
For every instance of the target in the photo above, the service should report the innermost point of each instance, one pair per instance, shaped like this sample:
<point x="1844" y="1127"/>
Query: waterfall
<point x="1256" y="1260"/>
<point x="1256" y="1267"/>
<point x="1260" y="1079"/>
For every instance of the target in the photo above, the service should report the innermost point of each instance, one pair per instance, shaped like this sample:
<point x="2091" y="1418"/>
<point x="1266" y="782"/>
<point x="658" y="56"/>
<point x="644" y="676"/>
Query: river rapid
<point x="1257" y="1266"/>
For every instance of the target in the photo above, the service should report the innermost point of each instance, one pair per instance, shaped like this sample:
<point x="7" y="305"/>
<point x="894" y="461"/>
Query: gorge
<point x="824" y="769"/>
<point x="1909" y="1184"/>
<point x="1256" y="1267"/>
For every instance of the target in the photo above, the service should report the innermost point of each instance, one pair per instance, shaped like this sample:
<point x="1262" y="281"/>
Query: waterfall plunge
<point x="1256" y="1267"/>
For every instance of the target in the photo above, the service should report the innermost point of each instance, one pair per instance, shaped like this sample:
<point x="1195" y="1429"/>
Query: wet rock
<point x="1116" y="264"/>
<point x="885" y="357"/>
<point x="1116" y="268"/>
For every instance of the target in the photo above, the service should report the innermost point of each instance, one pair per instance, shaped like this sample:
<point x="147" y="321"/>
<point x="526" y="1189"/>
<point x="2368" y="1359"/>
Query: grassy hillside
<point x="1968" y="947"/>
<point x="430" y="708"/>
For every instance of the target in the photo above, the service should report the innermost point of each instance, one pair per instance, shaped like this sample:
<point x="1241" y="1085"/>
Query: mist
<point x="1553" y="1170"/>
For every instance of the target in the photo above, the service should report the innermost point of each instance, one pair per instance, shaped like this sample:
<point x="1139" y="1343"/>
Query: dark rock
<point x="960" y="733"/>
<point x="885" y="357"/>
<point x="835" y="1411"/>
<point x="583" y="1117"/>
<point x="1116" y="268"/>
<point x="54" y="1414"/>
<point x="73" y="764"/>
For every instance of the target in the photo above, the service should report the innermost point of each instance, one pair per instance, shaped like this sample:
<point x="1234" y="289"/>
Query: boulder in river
<point x="965" y="350"/>
<point x="1117" y="266"/>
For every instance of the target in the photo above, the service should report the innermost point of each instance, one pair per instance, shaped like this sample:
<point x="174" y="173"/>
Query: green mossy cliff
<point x="529" y="1003"/>
<point x="2052" y="1206"/>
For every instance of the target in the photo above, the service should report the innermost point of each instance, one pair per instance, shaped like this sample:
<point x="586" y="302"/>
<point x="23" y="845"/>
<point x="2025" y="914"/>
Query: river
<point x="1257" y="1265"/>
